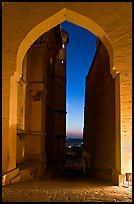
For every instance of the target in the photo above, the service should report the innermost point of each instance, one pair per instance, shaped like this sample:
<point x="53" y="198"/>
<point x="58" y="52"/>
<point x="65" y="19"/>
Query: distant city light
<point x="63" y="45"/>
<point x="62" y="61"/>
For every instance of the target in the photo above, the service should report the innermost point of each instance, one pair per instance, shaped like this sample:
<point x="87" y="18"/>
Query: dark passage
<point x="74" y="175"/>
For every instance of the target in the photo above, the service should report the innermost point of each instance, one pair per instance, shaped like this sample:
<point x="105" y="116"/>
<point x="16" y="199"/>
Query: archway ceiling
<point x="115" y="18"/>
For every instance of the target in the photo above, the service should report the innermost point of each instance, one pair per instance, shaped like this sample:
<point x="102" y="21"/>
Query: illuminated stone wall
<point x="21" y="105"/>
<point x="21" y="91"/>
<point x="35" y="103"/>
<point x="5" y="123"/>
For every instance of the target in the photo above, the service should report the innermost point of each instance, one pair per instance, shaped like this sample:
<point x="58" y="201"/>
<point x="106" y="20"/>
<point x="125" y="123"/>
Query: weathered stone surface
<point x="99" y="122"/>
<point x="85" y="190"/>
<point x="9" y="176"/>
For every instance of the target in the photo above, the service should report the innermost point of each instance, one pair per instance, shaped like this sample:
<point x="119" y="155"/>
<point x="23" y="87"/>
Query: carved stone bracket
<point x="22" y="134"/>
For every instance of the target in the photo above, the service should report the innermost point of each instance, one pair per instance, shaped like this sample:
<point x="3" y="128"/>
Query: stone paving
<point x="73" y="189"/>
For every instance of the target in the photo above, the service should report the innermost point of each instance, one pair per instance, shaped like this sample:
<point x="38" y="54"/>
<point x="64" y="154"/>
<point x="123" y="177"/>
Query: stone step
<point x="25" y="171"/>
<point x="6" y="178"/>
<point x="26" y="174"/>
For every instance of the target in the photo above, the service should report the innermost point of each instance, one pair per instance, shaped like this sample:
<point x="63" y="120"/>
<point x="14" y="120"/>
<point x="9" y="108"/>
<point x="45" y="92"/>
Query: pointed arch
<point x="58" y="18"/>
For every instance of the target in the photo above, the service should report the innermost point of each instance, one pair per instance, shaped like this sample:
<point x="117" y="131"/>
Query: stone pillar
<point x="5" y="123"/>
<point x="117" y="123"/>
<point x="59" y="107"/>
<point x="126" y="121"/>
<point x="59" y="111"/>
<point x="9" y="116"/>
<point x="13" y="122"/>
<point x="56" y="109"/>
<point x="117" y="171"/>
<point x="36" y="103"/>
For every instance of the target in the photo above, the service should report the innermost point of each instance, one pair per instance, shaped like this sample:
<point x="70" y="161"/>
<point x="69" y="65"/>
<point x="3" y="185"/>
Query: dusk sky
<point x="80" y="52"/>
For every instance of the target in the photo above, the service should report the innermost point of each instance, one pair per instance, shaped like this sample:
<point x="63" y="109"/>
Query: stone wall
<point x="5" y="123"/>
<point x="21" y="105"/>
<point x="99" y="121"/>
<point x="126" y="122"/>
<point x="21" y="91"/>
<point x="56" y="111"/>
<point x="36" y="93"/>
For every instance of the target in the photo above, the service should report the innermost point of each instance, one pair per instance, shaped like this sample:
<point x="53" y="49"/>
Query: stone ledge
<point x="125" y="179"/>
<point x="6" y="178"/>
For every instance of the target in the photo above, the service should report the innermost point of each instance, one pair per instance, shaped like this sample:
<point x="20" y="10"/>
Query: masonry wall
<point x="99" y="120"/>
<point x="126" y="121"/>
<point x="21" y="112"/>
<point x="56" y="116"/>
<point x="20" y="119"/>
<point x="60" y="112"/>
<point x="5" y="123"/>
<point x="35" y="109"/>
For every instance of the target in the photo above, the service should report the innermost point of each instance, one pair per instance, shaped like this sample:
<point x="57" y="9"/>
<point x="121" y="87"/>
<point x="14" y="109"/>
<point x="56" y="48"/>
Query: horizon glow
<point x="79" y="55"/>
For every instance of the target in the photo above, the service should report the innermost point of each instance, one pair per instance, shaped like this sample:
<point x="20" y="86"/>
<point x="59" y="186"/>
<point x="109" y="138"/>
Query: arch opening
<point x="70" y="16"/>
<point x="47" y="24"/>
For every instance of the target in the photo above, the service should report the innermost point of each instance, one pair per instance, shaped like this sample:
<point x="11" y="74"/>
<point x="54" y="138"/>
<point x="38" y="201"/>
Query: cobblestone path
<point x="71" y="189"/>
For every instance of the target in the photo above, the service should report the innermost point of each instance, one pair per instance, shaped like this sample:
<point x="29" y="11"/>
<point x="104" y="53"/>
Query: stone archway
<point x="64" y="14"/>
<point x="47" y="24"/>
<point x="16" y="51"/>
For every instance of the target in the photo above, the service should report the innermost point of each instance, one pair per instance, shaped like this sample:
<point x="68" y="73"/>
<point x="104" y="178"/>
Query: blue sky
<point x="80" y="52"/>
